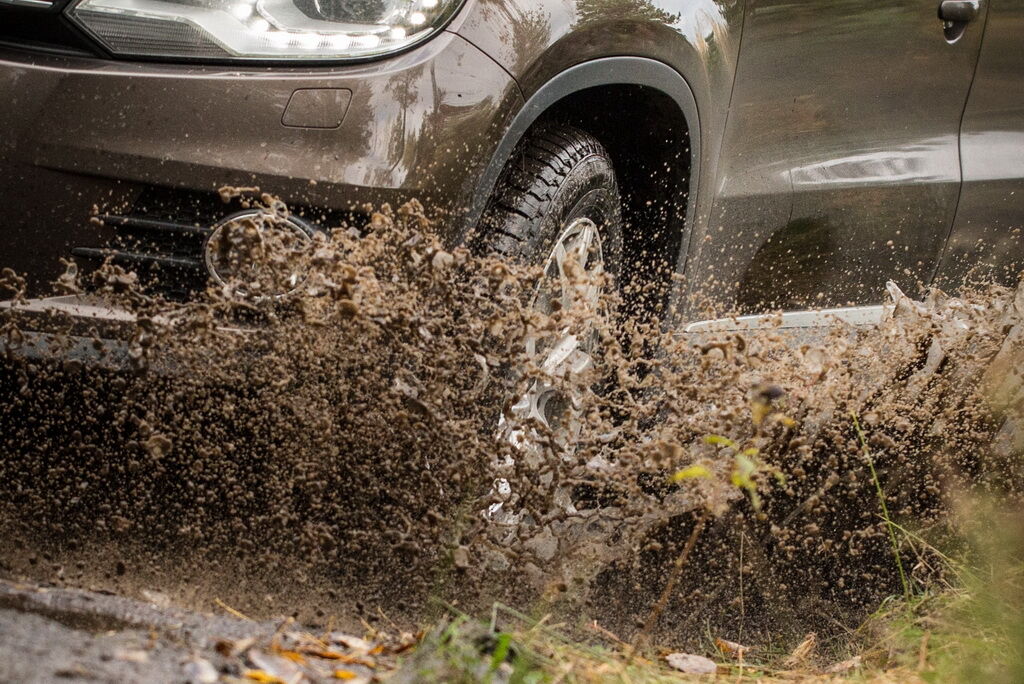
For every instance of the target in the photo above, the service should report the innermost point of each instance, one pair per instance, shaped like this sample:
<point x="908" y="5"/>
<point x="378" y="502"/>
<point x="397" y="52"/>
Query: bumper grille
<point x="167" y="256"/>
<point x="162" y="237"/>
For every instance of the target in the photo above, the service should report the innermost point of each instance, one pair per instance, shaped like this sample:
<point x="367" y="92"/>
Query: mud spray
<point x="337" y="450"/>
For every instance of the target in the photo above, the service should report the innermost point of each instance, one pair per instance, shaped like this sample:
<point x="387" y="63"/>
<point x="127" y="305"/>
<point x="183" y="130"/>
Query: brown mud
<point x="335" y="451"/>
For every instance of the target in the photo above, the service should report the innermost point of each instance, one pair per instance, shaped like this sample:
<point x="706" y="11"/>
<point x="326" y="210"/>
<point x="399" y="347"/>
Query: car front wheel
<point x="556" y="206"/>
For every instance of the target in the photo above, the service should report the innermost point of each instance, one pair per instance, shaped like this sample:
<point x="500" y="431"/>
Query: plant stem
<point x="885" y="509"/>
<point x="670" y="585"/>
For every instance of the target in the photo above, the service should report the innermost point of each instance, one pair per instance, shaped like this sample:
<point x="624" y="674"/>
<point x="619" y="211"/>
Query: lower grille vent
<point x="167" y="256"/>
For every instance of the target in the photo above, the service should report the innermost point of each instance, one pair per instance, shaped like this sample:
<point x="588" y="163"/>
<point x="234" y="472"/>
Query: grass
<point x="965" y="625"/>
<point x="525" y="651"/>
<point x="974" y="630"/>
<point x="890" y="526"/>
<point x="966" y="628"/>
<point x="948" y="637"/>
<point x="463" y="650"/>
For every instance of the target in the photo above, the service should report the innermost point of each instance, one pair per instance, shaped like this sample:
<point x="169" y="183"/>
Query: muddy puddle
<point x="350" y="452"/>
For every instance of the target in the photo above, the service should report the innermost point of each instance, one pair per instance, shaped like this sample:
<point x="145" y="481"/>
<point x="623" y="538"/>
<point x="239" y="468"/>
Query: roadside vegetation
<point x="966" y="626"/>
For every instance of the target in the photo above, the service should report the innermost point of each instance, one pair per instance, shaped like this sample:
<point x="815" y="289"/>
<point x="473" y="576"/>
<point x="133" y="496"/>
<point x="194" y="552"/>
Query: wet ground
<point x="49" y="634"/>
<point x="59" y="634"/>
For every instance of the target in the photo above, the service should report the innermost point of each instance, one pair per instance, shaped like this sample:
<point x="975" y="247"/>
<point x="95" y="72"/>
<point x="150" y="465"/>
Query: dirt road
<point x="55" y="634"/>
<point x="50" y="633"/>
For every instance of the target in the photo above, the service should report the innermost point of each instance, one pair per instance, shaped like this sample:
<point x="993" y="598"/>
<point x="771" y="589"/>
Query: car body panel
<point x="986" y="241"/>
<point x="840" y="164"/>
<point x="698" y="39"/>
<point x="82" y="132"/>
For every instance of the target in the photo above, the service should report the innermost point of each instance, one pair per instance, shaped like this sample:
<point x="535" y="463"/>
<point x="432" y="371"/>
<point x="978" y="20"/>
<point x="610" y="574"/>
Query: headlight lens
<point x="261" y="29"/>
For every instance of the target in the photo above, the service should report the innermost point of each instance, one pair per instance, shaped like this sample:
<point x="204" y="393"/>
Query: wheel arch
<point x="601" y="96"/>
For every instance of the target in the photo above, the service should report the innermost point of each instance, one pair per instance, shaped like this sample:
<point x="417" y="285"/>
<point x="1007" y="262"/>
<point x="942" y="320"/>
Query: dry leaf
<point x="281" y="669"/>
<point x="262" y="677"/>
<point x="291" y="655"/>
<point x="731" y="648"/>
<point x="328" y="654"/>
<point x="353" y="643"/>
<point x="802" y="652"/>
<point x="230" y="649"/>
<point x="325" y="653"/>
<point x="408" y="641"/>
<point x="691" y="664"/>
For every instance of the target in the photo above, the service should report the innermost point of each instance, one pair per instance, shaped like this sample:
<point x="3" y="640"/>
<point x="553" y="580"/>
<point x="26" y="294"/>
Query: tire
<point x="557" y="174"/>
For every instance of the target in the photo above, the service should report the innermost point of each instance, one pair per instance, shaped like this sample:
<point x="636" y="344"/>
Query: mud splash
<point x="337" y="451"/>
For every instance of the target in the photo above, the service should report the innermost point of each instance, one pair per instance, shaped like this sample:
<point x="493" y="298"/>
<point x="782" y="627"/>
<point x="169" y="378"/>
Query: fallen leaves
<point x="262" y="677"/>
<point x="353" y="643"/>
<point x="328" y="654"/>
<point x="731" y="648"/>
<point x="293" y="656"/>
<point x="803" y="652"/>
<point x="279" y="668"/>
<point x="230" y="649"/>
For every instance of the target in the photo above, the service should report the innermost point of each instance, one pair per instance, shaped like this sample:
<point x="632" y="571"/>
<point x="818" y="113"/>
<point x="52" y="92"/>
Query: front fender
<point x="552" y="48"/>
<point x="598" y="72"/>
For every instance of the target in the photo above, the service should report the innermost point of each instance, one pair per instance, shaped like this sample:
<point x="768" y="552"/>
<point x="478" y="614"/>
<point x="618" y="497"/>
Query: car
<point x="777" y="155"/>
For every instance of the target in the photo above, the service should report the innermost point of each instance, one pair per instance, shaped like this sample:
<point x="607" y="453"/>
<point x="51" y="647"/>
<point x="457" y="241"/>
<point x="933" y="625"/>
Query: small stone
<point x="158" y="599"/>
<point x="691" y="664"/>
<point x="460" y="557"/>
<point x="200" y="671"/>
<point x="543" y="545"/>
<point x="132" y="656"/>
<point x="158" y="446"/>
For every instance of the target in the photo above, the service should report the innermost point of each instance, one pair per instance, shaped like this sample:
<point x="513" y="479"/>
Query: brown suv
<point x="780" y="154"/>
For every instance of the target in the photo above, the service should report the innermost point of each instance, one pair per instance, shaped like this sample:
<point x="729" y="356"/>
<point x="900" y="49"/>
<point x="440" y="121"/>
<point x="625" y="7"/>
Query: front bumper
<point x="84" y="136"/>
<point x="87" y="330"/>
<point x="67" y="329"/>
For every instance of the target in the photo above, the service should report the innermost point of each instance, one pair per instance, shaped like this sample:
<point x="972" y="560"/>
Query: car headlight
<point x="261" y="29"/>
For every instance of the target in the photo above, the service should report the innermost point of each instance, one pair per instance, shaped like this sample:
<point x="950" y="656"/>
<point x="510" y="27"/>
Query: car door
<point x="840" y="166"/>
<point x="986" y="242"/>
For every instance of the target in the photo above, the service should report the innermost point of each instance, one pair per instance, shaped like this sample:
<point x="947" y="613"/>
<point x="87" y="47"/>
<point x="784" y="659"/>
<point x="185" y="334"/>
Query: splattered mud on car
<point x="336" y="450"/>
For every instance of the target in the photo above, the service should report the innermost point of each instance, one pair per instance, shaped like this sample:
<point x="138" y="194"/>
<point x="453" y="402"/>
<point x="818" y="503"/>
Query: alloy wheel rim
<point x="571" y="281"/>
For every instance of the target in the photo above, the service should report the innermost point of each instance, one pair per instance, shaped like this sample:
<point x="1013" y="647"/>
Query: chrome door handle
<point x="958" y="11"/>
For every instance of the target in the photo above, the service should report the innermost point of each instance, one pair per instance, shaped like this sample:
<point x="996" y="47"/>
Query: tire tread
<point x="529" y="184"/>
